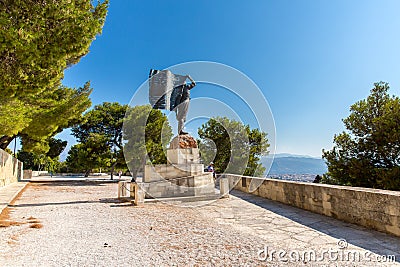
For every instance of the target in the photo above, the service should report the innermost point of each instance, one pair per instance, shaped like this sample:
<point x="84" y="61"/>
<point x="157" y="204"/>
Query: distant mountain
<point x="297" y="165"/>
<point x="288" y="155"/>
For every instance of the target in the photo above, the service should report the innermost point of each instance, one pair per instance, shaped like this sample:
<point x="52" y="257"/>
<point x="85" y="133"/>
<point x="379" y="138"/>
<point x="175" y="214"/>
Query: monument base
<point x="199" y="185"/>
<point x="183" y="175"/>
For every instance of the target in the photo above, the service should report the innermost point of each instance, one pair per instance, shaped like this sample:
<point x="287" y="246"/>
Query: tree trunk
<point x="5" y="140"/>
<point x="112" y="169"/>
<point x="87" y="173"/>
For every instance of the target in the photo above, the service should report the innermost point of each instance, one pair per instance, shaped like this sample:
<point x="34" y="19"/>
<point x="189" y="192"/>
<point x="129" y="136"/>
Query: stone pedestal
<point x="161" y="172"/>
<point x="199" y="185"/>
<point x="183" y="141"/>
<point x="183" y="150"/>
<point x="183" y="156"/>
<point x="183" y="175"/>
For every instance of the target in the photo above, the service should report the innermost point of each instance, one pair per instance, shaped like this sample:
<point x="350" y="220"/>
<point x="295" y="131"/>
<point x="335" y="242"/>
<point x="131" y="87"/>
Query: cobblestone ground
<point x="82" y="224"/>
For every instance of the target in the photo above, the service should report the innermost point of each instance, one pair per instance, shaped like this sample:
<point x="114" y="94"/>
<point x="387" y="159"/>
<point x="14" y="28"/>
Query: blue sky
<point x="311" y="59"/>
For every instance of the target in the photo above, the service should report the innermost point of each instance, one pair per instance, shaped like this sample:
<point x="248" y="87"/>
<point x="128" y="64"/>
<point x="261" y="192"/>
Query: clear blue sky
<point x="311" y="59"/>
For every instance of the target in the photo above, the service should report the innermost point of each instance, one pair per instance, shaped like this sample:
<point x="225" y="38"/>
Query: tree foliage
<point x="57" y="110"/>
<point x="368" y="153"/>
<point x="234" y="147"/>
<point x="105" y="119"/>
<point x="48" y="161"/>
<point x="91" y="154"/>
<point x="100" y="137"/>
<point x="40" y="39"/>
<point x="57" y="146"/>
<point x="146" y="133"/>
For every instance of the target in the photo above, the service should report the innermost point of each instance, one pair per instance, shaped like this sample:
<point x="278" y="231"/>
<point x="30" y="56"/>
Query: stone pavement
<point x="292" y="229"/>
<point x="9" y="192"/>
<point x="83" y="224"/>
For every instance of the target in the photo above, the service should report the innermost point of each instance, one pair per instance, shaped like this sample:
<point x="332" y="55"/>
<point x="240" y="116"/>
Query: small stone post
<point x="224" y="187"/>
<point x="139" y="195"/>
<point x="122" y="189"/>
<point x="132" y="190"/>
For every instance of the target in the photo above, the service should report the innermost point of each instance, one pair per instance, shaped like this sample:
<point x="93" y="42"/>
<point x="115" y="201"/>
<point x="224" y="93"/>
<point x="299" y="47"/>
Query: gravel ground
<point x="82" y="224"/>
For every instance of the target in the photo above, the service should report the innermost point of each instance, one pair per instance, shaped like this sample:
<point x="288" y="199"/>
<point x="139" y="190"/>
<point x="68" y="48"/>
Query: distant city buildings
<point x="294" y="177"/>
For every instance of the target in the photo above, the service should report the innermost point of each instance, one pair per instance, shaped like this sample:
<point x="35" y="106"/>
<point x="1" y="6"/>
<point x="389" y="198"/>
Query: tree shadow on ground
<point x="70" y="183"/>
<point x="374" y="241"/>
<point x="120" y="201"/>
<point x="54" y="203"/>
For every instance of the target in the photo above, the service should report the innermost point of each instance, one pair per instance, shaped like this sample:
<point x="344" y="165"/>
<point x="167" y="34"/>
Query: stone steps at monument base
<point x="185" y="186"/>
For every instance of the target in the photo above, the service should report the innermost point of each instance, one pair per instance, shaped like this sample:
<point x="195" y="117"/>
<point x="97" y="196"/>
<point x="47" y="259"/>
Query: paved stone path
<point x="290" y="229"/>
<point x="82" y="224"/>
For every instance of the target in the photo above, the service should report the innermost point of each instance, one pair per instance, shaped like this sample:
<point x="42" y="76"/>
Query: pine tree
<point x="235" y="147"/>
<point x="40" y="39"/>
<point x="368" y="153"/>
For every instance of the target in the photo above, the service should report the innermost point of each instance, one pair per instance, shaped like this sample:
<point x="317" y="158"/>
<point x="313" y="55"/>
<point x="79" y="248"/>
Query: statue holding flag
<point x="171" y="92"/>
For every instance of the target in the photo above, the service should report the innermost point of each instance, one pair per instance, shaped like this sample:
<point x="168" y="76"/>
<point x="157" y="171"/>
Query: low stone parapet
<point x="27" y="174"/>
<point x="373" y="208"/>
<point x="39" y="173"/>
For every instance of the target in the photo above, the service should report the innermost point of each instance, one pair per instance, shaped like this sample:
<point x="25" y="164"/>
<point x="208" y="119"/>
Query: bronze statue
<point x="171" y="92"/>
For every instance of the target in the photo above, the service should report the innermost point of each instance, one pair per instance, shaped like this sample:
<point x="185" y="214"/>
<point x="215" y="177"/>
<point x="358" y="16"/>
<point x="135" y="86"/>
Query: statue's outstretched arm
<point x="193" y="82"/>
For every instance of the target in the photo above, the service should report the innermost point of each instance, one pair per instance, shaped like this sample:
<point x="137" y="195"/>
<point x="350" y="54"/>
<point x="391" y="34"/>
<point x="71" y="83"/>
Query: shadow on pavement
<point x="71" y="183"/>
<point x="53" y="203"/>
<point x="102" y="200"/>
<point x="124" y="201"/>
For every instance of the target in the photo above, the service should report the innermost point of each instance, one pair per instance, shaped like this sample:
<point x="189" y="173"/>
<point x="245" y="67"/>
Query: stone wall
<point x="10" y="169"/>
<point x="372" y="208"/>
